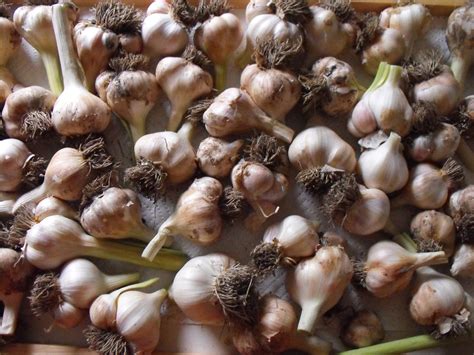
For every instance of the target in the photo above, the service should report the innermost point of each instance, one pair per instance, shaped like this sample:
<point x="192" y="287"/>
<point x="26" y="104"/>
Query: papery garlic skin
<point x="443" y="91"/>
<point x="389" y="267"/>
<point x="275" y="91"/>
<point x="14" y="154"/>
<point x="51" y="206"/>
<point x="20" y="103"/>
<point x="364" y="329"/>
<point x="319" y="146"/>
<point x="193" y="288"/>
<point x="435" y="146"/>
<point x="388" y="47"/>
<point x="255" y="8"/>
<point x="461" y="202"/>
<point x="7" y="201"/>
<point x="435" y="296"/>
<point x="115" y="214"/>
<point x="9" y="39"/>
<point x="7" y="84"/>
<point x="463" y="261"/>
<point x="411" y="20"/>
<point x="325" y="35"/>
<point x="216" y="157"/>
<point x="434" y="226"/>
<point x="369" y="214"/>
<point x="68" y="316"/>
<point x="318" y="283"/>
<point x="384" y="167"/>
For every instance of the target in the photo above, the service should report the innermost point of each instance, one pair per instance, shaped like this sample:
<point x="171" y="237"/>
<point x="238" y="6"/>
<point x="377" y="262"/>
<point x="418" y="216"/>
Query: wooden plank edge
<point x="437" y="7"/>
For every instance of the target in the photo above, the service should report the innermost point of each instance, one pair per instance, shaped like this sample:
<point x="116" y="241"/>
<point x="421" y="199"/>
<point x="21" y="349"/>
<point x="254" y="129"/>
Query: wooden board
<point x="437" y="7"/>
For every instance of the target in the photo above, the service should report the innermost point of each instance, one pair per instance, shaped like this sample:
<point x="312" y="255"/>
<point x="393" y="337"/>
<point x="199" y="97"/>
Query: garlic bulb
<point x="255" y="8"/>
<point x="196" y="217"/>
<point x="216" y="157"/>
<point x="69" y="171"/>
<point x="327" y="33"/>
<point x="428" y="186"/>
<point x="183" y="81"/>
<point x="459" y="36"/>
<point x="369" y="213"/>
<point x="78" y="283"/>
<point x="331" y="86"/>
<point x="7" y="84"/>
<point x="164" y="29"/>
<point x="285" y="242"/>
<point x="15" y="272"/>
<point x="463" y="261"/>
<point x="51" y="206"/>
<point x="363" y="329"/>
<point x="57" y="239"/>
<point x="317" y="284"/>
<point x="439" y="300"/>
<point x="389" y="268"/>
<point x="130" y="91"/>
<point x="19" y="166"/>
<point x="163" y="157"/>
<point x="411" y="20"/>
<point x="274" y="88"/>
<point x="219" y="37"/>
<point x="463" y="119"/>
<point x="233" y="111"/>
<point x="35" y="25"/>
<point x="319" y="146"/>
<point x="7" y="200"/>
<point x="384" y="167"/>
<point x="126" y="321"/>
<point x="27" y="113"/>
<point x="261" y="187"/>
<point x="115" y="214"/>
<point x="9" y="37"/>
<point x="383" y="105"/>
<point x="461" y="203"/>
<point x="76" y="111"/>
<point x="433" y="227"/>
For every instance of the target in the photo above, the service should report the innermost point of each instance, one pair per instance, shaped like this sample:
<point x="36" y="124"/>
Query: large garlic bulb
<point x="216" y="157"/>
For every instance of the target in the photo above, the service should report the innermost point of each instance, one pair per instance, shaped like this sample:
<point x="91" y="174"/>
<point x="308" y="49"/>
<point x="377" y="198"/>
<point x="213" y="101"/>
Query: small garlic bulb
<point x="384" y="105"/>
<point x="216" y="157"/>
<point x="318" y="283"/>
<point x="27" y="113"/>
<point x="285" y="242"/>
<point x="461" y="203"/>
<point x="463" y="261"/>
<point x="183" y="82"/>
<point x="115" y="214"/>
<point x="389" y="268"/>
<point x="51" y="206"/>
<point x="428" y="186"/>
<point x="255" y="8"/>
<point x="7" y="200"/>
<point x="319" y="146"/>
<point x="78" y="284"/>
<point x="384" y="167"/>
<point x="411" y="20"/>
<point x="369" y="213"/>
<point x="433" y="226"/>
<point x="437" y="300"/>
<point x="196" y="217"/>
<point x="363" y="329"/>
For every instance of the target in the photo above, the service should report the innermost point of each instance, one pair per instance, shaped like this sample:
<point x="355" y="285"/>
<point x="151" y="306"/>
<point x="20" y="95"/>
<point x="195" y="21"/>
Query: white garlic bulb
<point x="255" y="8"/>
<point x="384" y="167"/>
<point x="318" y="283"/>
<point x="363" y="329"/>
<point x="319" y="146"/>
<point x="461" y="202"/>
<point x="463" y="261"/>
<point x="388" y="46"/>
<point x="7" y="201"/>
<point x="54" y="206"/>
<point x="216" y="157"/>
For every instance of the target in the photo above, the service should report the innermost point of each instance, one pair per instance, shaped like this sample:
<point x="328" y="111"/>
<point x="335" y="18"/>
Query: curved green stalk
<point x="53" y="71"/>
<point x="221" y="77"/>
<point x="380" y="76"/>
<point x="404" y="240"/>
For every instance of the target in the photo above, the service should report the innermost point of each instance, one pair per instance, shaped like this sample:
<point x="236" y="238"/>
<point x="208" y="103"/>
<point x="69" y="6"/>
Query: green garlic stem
<point x="404" y="240"/>
<point x="221" y="77"/>
<point x="460" y="68"/>
<point x="380" y="76"/>
<point x="53" y="72"/>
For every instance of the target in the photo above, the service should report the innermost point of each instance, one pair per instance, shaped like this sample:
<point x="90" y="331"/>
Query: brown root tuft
<point x="268" y="151"/>
<point x="23" y="220"/>
<point x="5" y="241"/>
<point x="186" y="14"/>
<point x="425" y="119"/>
<point x="454" y="172"/>
<point x="360" y="273"/>
<point x="427" y="245"/>
<point x="341" y="8"/>
<point x="36" y="123"/>
<point x="128" y="62"/>
<point x="33" y="171"/>
<point x="106" y="342"/>
<point x="217" y="7"/>
<point x="232" y="203"/>
<point x="317" y="180"/>
<point x="461" y="119"/>
<point x="118" y="17"/>
<point x="452" y="327"/>
<point x="465" y="228"/>
<point x="424" y="66"/>
<point x="148" y="178"/>
<point x="271" y="53"/>
<point x="369" y="29"/>
<point x="235" y="290"/>
<point x="267" y="257"/>
<point x="98" y="186"/>
<point x="295" y="11"/>
<point x="195" y="56"/>
<point x="315" y="91"/>
<point x="341" y="195"/>
<point x="94" y="151"/>
<point x="195" y="112"/>
<point x="45" y="294"/>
